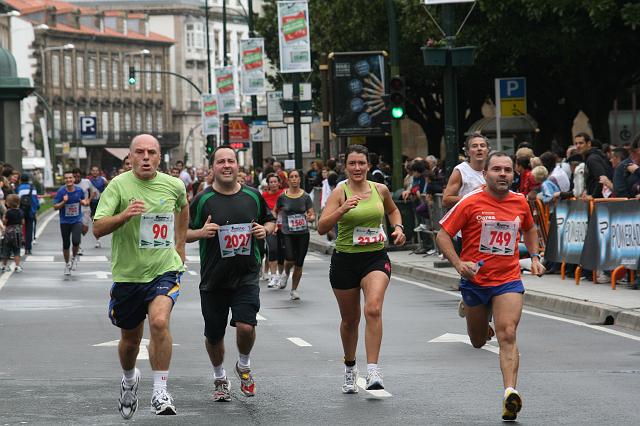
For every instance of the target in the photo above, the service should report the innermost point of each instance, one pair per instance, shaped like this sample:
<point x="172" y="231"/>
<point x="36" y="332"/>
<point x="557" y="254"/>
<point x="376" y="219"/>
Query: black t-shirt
<point x="14" y="217"/>
<point x="289" y="206"/>
<point x="245" y="206"/>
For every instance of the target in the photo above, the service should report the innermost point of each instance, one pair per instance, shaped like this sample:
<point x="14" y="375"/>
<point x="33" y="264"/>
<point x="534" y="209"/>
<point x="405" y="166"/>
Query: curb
<point x="591" y="312"/>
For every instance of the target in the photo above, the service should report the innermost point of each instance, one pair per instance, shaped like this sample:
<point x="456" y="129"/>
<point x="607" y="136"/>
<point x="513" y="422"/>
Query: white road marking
<point x="32" y="258"/>
<point x="5" y="277"/>
<point x="378" y="393"/>
<point x="462" y="338"/>
<point x="298" y="341"/>
<point x="144" y="347"/>
<point x="102" y="275"/>
<point x="193" y="259"/>
<point x="192" y="272"/>
<point x="260" y="317"/>
<point x="85" y="258"/>
<point x="44" y="223"/>
<point x="526" y="311"/>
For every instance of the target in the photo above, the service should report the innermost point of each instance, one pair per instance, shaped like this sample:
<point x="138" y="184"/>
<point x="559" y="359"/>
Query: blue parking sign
<point x="88" y="127"/>
<point x="513" y="88"/>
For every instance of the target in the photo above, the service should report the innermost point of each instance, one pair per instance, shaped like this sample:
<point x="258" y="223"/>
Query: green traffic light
<point x="397" y="112"/>
<point x="132" y="81"/>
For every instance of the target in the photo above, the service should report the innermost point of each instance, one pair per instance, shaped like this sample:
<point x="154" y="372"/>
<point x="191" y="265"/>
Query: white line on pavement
<point x="526" y="311"/>
<point x="44" y="224"/>
<point x="192" y="272"/>
<point x="32" y="258"/>
<point x="378" y="393"/>
<point x="298" y="341"/>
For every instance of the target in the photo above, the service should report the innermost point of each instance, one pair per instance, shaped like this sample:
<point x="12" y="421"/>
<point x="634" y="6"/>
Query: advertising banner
<point x="274" y="108"/>
<point x="359" y="87"/>
<point x="567" y="231"/>
<point x="613" y="238"/>
<point x="238" y="131"/>
<point x="252" y="71"/>
<point x="225" y="85"/>
<point x="293" y="36"/>
<point x="210" y="119"/>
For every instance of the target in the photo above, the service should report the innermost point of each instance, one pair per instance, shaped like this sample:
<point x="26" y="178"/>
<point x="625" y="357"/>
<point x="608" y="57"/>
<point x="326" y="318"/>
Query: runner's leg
<point x="477" y="324"/>
<point x="129" y="346"/>
<point x="161" y="342"/>
<point x="349" y="305"/>
<point x="374" y="285"/>
<point x="507" y="310"/>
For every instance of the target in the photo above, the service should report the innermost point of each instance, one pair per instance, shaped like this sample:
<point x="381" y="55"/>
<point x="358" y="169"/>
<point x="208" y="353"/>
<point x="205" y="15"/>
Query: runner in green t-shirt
<point x="148" y="214"/>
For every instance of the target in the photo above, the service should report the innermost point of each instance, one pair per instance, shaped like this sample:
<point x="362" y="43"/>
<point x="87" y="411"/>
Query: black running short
<point x="71" y="232"/>
<point x="348" y="269"/>
<point x="295" y="247"/>
<point x="243" y="301"/>
<point x="272" y="247"/>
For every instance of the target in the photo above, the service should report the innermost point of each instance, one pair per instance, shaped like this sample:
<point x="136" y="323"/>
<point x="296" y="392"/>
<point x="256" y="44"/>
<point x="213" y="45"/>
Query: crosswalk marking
<point x="32" y="258"/>
<point x="193" y="258"/>
<point x="86" y="258"/>
<point x="298" y="341"/>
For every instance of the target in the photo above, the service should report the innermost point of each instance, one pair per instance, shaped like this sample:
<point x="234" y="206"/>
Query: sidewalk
<point x="589" y="302"/>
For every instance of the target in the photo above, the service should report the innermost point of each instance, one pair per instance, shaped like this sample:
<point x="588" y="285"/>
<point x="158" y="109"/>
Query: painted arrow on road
<point x="462" y="338"/>
<point x="144" y="347"/>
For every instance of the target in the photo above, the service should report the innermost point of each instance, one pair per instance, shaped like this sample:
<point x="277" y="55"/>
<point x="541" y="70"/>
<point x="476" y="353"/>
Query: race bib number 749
<point x="499" y="237"/>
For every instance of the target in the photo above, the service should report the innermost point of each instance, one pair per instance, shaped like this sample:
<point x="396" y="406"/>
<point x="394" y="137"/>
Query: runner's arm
<point x="450" y="196"/>
<point x="531" y="242"/>
<point x="466" y="269"/>
<point x="182" y="223"/>
<point x="332" y="211"/>
<point x="392" y="212"/>
<point x="109" y="224"/>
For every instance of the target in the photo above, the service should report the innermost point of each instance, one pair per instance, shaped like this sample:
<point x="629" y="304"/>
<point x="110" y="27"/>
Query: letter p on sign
<point x="88" y="127"/>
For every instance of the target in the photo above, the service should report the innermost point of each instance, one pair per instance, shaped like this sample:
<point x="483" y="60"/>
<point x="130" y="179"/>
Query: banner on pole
<point x="252" y="71"/>
<point x="613" y="238"/>
<point x="567" y="231"/>
<point x="48" y="168"/>
<point x="226" y="90"/>
<point x="210" y="119"/>
<point x="293" y="36"/>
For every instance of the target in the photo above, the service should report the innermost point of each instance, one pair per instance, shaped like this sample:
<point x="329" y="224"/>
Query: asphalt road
<point x="58" y="361"/>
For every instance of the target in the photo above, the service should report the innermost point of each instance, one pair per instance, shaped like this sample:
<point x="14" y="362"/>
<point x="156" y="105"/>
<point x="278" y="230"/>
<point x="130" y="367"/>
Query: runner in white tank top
<point x="467" y="176"/>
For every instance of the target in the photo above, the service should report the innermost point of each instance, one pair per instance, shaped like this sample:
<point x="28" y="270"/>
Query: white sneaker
<point x="18" y="269"/>
<point x="283" y="280"/>
<point x="128" y="401"/>
<point x="67" y="269"/>
<point x="74" y="263"/>
<point x="350" y="381"/>
<point x="273" y="282"/>
<point x="162" y="403"/>
<point x="4" y="269"/>
<point x="602" y="278"/>
<point x="263" y="276"/>
<point x="294" y="295"/>
<point x="98" y="244"/>
<point x="374" y="380"/>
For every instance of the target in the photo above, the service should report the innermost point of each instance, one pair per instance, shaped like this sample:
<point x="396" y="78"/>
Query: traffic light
<point x="397" y="96"/>
<point x="132" y="75"/>
<point x="210" y="145"/>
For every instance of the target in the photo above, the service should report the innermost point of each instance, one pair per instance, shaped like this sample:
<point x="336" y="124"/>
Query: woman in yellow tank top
<point x="360" y="260"/>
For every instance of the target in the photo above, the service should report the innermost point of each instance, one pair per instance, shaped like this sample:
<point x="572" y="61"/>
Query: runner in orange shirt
<point x="491" y="219"/>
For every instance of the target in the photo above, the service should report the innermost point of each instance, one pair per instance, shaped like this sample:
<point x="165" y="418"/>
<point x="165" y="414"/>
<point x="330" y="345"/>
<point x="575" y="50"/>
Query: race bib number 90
<point x="499" y="237"/>
<point x="156" y="231"/>
<point x="363" y="236"/>
<point x="235" y="240"/>
<point x="297" y="222"/>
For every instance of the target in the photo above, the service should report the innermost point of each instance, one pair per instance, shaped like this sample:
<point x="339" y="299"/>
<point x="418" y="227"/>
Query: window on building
<point x="127" y="121"/>
<point x="105" y="123"/>
<point x="125" y="73"/>
<point x="159" y="122"/>
<point x="149" y="122"/>
<point x="158" y="77"/>
<point x="217" y="54"/>
<point x="115" y="74"/>
<point x="147" y="77"/>
<point x="57" y="123"/>
<point x="55" y="70"/>
<point x="189" y="35"/>
<point x="116" y="125"/>
<point x="104" y="69"/>
<point x="198" y="41"/>
<point x="138" y="120"/>
<point x="228" y="44"/>
<point x="137" y="67"/>
<point x="69" y="128"/>
<point x="68" y="72"/>
<point x="92" y="73"/>
<point x="80" y="71"/>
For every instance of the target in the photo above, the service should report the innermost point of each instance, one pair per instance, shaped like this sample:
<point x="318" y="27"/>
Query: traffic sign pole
<point x="498" y="115"/>
<point x="297" y="130"/>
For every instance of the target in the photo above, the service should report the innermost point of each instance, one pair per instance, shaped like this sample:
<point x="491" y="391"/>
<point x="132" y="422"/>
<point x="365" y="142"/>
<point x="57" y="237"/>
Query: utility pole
<point x="450" y="93"/>
<point x="396" y="130"/>
<point x="324" y="71"/>
<point x="225" y="118"/>
<point x="256" y="146"/>
<point x="297" y="125"/>
<point x="206" y="26"/>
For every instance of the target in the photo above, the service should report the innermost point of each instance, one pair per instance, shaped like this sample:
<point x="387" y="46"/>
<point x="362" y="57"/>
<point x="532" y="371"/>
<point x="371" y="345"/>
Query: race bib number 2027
<point x="235" y="240"/>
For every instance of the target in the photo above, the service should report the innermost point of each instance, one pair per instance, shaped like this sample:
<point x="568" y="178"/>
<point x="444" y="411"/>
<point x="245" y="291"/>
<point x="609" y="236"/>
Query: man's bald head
<point x="144" y="137"/>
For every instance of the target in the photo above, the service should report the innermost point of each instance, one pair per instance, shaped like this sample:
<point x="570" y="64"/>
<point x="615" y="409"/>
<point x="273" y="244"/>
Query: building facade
<point x="81" y="67"/>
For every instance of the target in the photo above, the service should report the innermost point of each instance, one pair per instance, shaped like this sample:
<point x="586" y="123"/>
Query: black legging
<point x="71" y="232"/>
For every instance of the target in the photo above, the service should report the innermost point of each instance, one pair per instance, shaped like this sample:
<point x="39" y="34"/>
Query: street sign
<point x="512" y="96"/>
<point x="274" y="109"/>
<point x="305" y="91"/>
<point x="306" y="138"/>
<point x="260" y="131"/>
<point x="88" y="127"/>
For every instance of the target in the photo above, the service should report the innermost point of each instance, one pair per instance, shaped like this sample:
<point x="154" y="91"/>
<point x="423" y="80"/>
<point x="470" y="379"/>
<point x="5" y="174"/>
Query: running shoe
<point x="247" y="385"/>
<point x="273" y="282"/>
<point x="162" y="403"/>
<point x="511" y="404"/>
<point x="294" y="295"/>
<point x="221" y="392"/>
<point x="4" y="269"/>
<point x="128" y="402"/>
<point x="461" y="312"/>
<point x="67" y="269"/>
<point x="284" y="278"/>
<point x="374" y="380"/>
<point x="18" y="269"/>
<point x="74" y="263"/>
<point x="79" y="252"/>
<point x="350" y="381"/>
<point x="98" y="244"/>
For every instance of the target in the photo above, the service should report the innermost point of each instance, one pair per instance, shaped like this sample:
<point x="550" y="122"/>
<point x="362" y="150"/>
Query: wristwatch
<point x="536" y="255"/>
<point x="399" y="225"/>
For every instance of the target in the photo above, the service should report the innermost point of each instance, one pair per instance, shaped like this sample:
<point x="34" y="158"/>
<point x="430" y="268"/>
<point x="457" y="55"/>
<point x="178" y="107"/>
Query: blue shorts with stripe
<point x="130" y="301"/>
<point x="474" y="295"/>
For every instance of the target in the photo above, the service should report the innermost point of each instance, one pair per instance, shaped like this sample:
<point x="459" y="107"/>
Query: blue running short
<point x="130" y="301"/>
<point x="474" y="295"/>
